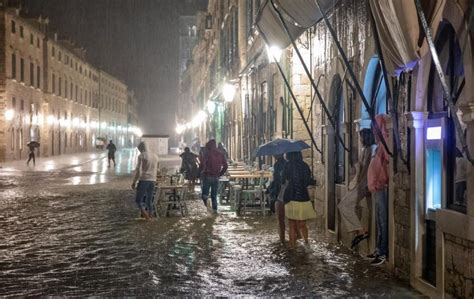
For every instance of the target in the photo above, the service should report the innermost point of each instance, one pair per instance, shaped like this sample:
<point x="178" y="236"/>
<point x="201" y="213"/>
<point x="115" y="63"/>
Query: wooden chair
<point x="253" y="199"/>
<point x="171" y="198"/>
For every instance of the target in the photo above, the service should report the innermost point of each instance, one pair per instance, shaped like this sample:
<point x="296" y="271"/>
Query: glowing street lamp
<point x="228" y="90"/>
<point x="9" y="114"/>
<point x="274" y="53"/>
<point x="180" y="128"/>
<point x="138" y="132"/>
<point x="211" y="106"/>
<point x="198" y="119"/>
<point x="75" y="122"/>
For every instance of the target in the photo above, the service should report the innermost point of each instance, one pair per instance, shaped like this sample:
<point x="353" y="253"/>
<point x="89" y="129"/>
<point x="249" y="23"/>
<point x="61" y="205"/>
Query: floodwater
<point x="81" y="237"/>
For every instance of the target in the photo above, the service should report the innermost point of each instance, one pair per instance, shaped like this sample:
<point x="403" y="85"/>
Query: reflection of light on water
<point x="49" y="165"/>
<point x="104" y="166"/>
<point x="93" y="179"/>
<point x="77" y="169"/>
<point x="74" y="161"/>
<point x="76" y="180"/>
<point x="102" y="178"/>
<point x="95" y="166"/>
<point x="93" y="156"/>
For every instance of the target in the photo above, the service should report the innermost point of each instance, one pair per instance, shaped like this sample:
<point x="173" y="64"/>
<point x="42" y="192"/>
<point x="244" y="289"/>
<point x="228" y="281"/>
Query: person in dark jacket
<point x="273" y="190"/>
<point x="111" y="149"/>
<point x="213" y="166"/>
<point x="190" y="166"/>
<point x="298" y="207"/>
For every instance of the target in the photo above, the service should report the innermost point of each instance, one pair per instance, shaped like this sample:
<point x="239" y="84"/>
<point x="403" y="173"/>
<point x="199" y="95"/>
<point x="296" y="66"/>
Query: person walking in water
<point x="145" y="174"/>
<point x="213" y="166"/>
<point x="274" y="190"/>
<point x="31" y="154"/>
<point x="190" y="167"/>
<point x="111" y="148"/>
<point x="298" y="207"/>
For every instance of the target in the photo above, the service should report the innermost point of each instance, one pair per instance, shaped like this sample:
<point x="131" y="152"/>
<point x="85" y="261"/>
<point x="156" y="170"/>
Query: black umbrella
<point x="33" y="144"/>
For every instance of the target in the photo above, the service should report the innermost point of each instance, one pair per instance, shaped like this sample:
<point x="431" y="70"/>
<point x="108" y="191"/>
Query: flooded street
<point x="74" y="232"/>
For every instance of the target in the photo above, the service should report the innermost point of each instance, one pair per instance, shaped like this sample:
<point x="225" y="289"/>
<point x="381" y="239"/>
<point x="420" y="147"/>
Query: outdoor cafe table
<point x="247" y="175"/>
<point x="250" y="175"/>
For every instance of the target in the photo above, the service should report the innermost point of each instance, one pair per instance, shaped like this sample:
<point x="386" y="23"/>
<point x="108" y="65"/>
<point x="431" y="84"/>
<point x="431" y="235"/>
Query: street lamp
<point x="51" y="120"/>
<point x="228" y="90"/>
<point x="211" y="106"/>
<point x="180" y="128"/>
<point x="274" y="53"/>
<point x="9" y="114"/>
<point x="199" y="118"/>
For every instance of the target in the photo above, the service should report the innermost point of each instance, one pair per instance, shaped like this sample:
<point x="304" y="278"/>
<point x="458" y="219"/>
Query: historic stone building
<point x="51" y="94"/>
<point x="431" y="214"/>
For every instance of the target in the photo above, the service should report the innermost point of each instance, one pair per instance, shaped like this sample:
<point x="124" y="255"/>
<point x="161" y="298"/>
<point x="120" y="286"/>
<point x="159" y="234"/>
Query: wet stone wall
<point x="459" y="271"/>
<point x="402" y="225"/>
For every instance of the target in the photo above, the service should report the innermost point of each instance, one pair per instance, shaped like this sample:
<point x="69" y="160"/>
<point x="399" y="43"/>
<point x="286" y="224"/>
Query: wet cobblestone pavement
<point x="58" y="238"/>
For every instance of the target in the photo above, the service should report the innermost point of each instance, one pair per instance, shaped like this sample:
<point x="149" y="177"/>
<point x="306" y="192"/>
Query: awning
<point x="305" y="12"/>
<point x="402" y="38"/>
<point x="271" y="28"/>
<point x="299" y="14"/>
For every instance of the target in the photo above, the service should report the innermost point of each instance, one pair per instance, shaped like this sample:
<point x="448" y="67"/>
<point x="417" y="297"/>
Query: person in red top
<point x="377" y="181"/>
<point x="213" y="166"/>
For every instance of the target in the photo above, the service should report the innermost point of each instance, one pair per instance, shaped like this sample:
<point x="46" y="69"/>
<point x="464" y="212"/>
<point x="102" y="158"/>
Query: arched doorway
<point x="375" y="92"/>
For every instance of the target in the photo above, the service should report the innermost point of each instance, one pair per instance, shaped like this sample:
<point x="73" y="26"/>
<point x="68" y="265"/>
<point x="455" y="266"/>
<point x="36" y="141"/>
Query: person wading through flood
<point x="213" y="166"/>
<point x="190" y="167"/>
<point x="358" y="189"/>
<point x="31" y="154"/>
<point x="145" y="174"/>
<point x="298" y="207"/>
<point x="273" y="190"/>
<point x="111" y="148"/>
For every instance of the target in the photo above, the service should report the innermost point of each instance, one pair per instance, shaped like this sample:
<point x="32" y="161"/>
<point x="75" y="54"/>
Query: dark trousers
<point x="210" y="184"/>
<point x="31" y="156"/>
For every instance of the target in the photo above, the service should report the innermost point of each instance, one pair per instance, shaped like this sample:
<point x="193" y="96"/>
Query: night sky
<point x="134" y="40"/>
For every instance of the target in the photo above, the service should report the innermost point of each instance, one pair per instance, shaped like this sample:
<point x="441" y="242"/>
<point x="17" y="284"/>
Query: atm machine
<point x="436" y="162"/>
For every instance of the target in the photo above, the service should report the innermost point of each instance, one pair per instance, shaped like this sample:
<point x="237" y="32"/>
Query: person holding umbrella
<point x="290" y="182"/>
<point x="276" y="202"/>
<point x="31" y="152"/>
<point x="298" y="207"/>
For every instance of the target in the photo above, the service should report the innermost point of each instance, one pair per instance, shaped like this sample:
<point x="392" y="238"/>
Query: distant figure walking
<point x="213" y="166"/>
<point x="145" y="174"/>
<point x="298" y="207"/>
<point x="190" y="167"/>
<point x="111" y="148"/>
<point x="31" y="154"/>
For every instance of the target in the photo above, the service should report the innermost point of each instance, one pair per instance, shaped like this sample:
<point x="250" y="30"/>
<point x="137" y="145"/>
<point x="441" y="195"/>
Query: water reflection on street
<point x="74" y="232"/>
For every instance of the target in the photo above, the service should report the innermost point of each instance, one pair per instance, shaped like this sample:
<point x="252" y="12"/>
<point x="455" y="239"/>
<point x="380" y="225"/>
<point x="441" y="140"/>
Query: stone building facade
<point x="430" y="225"/>
<point x="51" y="93"/>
